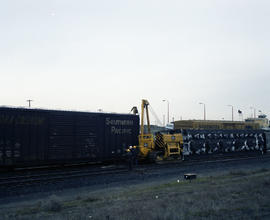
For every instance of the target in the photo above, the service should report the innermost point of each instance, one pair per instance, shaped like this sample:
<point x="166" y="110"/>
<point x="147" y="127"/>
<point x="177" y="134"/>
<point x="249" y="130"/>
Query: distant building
<point x="217" y="124"/>
<point x="169" y="126"/>
<point x="261" y="120"/>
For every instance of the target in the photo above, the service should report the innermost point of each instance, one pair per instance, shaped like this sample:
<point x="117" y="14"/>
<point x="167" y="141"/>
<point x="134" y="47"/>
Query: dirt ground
<point x="235" y="192"/>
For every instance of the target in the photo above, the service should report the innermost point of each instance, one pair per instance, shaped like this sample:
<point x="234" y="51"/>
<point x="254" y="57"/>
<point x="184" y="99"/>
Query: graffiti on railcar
<point x="203" y="142"/>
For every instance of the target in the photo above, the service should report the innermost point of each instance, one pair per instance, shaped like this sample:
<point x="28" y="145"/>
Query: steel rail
<point x="46" y="177"/>
<point x="61" y="176"/>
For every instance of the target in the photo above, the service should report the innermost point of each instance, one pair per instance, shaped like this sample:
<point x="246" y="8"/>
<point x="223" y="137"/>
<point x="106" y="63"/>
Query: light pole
<point x="254" y="111"/>
<point x="204" y="113"/>
<point x="240" y="115"/>
<point x="232" y="111"/>
<point x="167" y="110"/>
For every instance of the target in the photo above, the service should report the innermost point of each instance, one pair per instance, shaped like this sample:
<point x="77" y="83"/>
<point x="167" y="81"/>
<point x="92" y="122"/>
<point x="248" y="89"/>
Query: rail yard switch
<point x="190" y="176"/>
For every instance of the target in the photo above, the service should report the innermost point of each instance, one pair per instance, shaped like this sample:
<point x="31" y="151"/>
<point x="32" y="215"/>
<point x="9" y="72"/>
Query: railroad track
<point x="57" y="176"/>
<point x="192" y="162"/>
<point x="52" y="176"/>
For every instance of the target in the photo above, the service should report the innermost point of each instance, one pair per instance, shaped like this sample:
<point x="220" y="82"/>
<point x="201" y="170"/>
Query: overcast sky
<point x="89" y="55"/>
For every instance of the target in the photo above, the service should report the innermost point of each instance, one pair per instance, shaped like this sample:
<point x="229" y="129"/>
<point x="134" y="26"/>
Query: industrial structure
<point x="249" y="123"/>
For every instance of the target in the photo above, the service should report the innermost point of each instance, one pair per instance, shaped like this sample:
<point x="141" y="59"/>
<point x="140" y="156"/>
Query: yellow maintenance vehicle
<point x="159" y="146"/>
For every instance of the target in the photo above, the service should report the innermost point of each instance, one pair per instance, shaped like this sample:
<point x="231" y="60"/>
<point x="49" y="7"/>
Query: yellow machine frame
<point x="170" y="144"/>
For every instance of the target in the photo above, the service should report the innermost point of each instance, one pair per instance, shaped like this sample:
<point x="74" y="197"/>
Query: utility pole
<point x="29" y="102"/>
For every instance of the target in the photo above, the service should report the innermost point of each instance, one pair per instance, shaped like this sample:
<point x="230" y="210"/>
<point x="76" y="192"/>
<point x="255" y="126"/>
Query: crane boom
<point x="145" y="105"/>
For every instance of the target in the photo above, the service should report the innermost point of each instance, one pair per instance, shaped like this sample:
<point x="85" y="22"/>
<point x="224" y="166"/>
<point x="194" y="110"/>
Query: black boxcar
<point x="33" y="137"/>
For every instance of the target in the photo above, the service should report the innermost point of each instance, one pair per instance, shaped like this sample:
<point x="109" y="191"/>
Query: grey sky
<point x="87" y="55"/>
